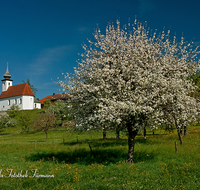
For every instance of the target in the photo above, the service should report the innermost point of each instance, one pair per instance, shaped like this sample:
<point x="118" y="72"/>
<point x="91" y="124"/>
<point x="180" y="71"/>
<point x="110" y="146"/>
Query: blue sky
<point x="40" y="39"/>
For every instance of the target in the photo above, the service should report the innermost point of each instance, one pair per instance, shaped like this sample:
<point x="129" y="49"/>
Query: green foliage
<point x="196" y="80"/>
<point x="13" y="110"/>
<point x="24" y="118"/>
<point x="14" y="107"/>
<point x="61" y="111"/>
<point x="47" y="103"/>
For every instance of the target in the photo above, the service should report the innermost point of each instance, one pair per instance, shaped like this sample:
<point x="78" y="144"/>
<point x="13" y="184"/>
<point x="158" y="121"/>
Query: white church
<point x="20" y="95"/>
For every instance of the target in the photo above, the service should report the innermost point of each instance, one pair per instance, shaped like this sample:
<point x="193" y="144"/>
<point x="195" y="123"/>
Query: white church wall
<point x="37" y="105"/>
<point x="6" y="103"/>
<point x="27" y="102"/>
<point x="6" y="84"/>
<point x="24" y="103"/>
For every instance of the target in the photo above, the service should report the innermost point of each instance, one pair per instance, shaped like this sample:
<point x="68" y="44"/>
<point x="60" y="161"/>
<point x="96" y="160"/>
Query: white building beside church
<point x="20" y="95"/>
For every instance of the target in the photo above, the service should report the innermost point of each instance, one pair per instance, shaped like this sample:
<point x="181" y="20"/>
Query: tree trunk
<point x="145" y="133"/>
<point x="104" y="134"/>
<point x="180" y="135"/>
<point x="153" y="131"/>
<point x="63" y="119"/>
<point x="131" y="143"/>
<point x="117" y="134"/>
<point x="186" y="130"/>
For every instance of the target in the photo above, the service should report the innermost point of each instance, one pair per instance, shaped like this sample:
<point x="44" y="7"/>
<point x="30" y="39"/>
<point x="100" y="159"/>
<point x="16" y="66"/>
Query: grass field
<point x="75" y="166"/>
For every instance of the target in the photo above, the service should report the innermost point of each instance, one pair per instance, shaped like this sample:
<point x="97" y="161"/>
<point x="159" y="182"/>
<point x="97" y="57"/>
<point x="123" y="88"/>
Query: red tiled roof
<point x="58" y="97"/>
<point x="43" y="99"/>
<point x="17" y="90"/>
<point x="54" y="97"/>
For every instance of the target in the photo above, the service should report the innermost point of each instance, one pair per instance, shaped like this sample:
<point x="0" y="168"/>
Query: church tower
<point x="6" y="82"/>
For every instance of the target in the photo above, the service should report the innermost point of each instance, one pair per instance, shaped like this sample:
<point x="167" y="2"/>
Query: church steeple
<point x="6" y="82"/>
<point x="7" y="74"/>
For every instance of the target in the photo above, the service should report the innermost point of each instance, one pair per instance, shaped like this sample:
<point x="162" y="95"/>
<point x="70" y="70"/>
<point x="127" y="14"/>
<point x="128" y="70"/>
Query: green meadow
<point x="83" y="160"/>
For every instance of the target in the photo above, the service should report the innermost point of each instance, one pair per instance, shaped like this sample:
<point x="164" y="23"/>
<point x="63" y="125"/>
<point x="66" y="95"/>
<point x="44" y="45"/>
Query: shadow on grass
<point x="5" y="133"/>
<point x="155" y="139"/>
<point x="86" y="157"/>
<point x="100" y="142"/>
<point x="30" y="132"/>
<point x="112" y="142"/>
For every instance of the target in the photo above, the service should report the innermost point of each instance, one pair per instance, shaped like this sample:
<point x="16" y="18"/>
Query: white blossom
<point x="132" y="77"/>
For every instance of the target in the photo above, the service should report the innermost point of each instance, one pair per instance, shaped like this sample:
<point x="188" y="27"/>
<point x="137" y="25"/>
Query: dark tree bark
<point x="62" y="123"/>
<point x="91" y="151"/>
<point x="180" y="134"/>
<point x="117" y="134"/>
<point x="145" y="133"/>
<point x="131" y="143"/>
<point x="104" y="133"/>
<point x="186" y="130"/>
<point x="176" y="150"/>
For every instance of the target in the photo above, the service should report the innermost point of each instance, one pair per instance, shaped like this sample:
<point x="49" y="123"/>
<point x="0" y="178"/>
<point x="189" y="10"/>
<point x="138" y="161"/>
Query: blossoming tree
<point x="130" y="78"/>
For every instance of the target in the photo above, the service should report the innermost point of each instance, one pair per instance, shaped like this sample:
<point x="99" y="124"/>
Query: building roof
<point x="62" y="96"/>
<point x="43" y="99"/>
<point x="17" y="90"/>
<point x="36" y="101"/>
<point x="54" y="97"/>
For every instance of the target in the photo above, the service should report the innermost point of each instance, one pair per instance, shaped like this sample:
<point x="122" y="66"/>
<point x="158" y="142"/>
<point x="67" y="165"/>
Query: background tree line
<point x="53" y="116"/>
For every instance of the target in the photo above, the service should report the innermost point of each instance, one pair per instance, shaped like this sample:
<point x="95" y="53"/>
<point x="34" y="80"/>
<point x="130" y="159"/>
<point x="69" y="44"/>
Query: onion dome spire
<point x="7" y="74"/>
